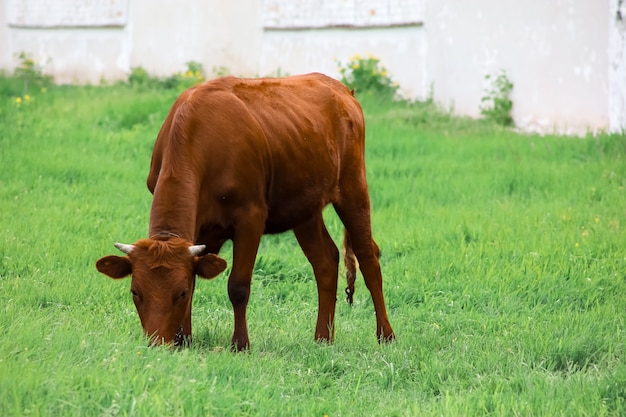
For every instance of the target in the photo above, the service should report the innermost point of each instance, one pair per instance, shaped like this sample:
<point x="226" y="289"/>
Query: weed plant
<point x="368" y="77"/>
<point x="27" y="81"/>
<point x="140" y="78"/>
<point x="503" y="256"/>
<point x="496" y="104"/>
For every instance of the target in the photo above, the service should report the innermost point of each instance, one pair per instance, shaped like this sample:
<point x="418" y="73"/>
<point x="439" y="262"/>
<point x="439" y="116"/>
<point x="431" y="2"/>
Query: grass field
<point x="504" y="259"/>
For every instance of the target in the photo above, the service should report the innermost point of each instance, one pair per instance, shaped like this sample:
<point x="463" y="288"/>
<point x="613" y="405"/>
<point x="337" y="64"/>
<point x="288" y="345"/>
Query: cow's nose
<point x="179" y="339"/>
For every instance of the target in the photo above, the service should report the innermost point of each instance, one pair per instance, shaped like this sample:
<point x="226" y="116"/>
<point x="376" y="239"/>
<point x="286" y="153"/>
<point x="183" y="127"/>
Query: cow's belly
<point x="278" y="222"/>
<point x="305" y="179"/>
<point x="293" y="205"/>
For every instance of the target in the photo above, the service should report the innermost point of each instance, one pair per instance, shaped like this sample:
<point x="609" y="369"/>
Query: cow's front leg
<point x="245" y="246"/>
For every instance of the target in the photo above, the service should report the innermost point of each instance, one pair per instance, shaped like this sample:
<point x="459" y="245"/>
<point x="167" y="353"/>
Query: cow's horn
<point x="196" y="250"/>
<point x="127" y="249"/>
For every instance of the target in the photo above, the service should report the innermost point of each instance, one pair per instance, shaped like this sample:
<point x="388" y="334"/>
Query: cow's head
<point x="163" y="280"/>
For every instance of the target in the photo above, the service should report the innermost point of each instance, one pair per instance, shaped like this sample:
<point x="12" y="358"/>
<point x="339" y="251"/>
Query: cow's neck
<point x="174" y="209"/>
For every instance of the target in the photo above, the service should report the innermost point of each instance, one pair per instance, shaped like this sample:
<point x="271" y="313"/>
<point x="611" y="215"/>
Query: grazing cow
<point x="237" y="158"/>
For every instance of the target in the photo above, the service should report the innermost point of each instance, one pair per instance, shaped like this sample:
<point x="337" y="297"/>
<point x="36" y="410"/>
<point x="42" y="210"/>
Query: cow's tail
<point x="351" y="264"/>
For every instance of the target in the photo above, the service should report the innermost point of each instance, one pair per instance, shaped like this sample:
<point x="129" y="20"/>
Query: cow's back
<point x="296" y="136"/>
<point x="313" y="126"/>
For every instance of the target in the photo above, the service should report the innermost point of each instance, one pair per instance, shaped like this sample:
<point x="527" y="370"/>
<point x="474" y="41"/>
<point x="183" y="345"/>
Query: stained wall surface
<point x="555" y="53"/>
<point x="566" y="58"/>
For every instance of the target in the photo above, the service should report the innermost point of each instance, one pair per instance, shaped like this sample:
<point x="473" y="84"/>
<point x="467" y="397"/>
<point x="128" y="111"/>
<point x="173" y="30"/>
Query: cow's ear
<point x="209" y="266"/>
<point x="114" y="266"/>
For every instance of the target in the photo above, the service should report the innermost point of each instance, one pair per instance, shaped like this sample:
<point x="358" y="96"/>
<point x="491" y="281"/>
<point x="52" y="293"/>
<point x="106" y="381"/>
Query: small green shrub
<point x="366" y="75"/>
<point x="21" y="86"/>
<point x="31" y="72"/>
<point x="139" y="76"/>
<point x="192" y="76"/>
<point x="179" y="80"/>
<point x="496" y="104"/>
<point x="221" y="71"/>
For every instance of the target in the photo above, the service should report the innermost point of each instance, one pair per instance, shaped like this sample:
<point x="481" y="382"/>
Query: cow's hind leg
<point x="354" y="212"/>
<point x="323" y="255"/>
<point x="350" y="263"/>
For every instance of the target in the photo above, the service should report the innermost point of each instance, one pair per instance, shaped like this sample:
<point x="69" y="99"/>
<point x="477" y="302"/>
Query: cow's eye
<point x="183" y="294"/>
<point x="134" y="293"/>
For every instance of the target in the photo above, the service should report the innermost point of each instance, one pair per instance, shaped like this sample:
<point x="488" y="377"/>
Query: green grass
<point x="504" y="259"/>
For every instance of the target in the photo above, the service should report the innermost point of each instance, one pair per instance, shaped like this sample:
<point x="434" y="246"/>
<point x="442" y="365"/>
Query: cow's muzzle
<point x="179" y="338"/>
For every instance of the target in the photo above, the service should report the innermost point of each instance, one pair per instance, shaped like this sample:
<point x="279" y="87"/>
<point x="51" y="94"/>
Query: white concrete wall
<point x="566" y="58"/>
<point x="5" y="55"/>
<point x="161" y="37"/>
<point x="70" y="41"/>
<point x="308" y="35"/>
<point x="402" y="50"/>
<point x="74" y="55"/>
<point x="617" y="66"/>
<point x="555" y="53"/>
<point x="213" y="32"/>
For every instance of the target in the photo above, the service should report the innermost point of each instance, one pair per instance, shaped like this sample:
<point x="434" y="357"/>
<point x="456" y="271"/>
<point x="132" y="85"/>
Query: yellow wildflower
<point x="26" y="97"/>
<point x="18" y="100"/>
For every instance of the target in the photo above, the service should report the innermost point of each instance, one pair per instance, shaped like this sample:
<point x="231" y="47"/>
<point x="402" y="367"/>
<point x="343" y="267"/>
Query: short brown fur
<point x="237" y="158"/>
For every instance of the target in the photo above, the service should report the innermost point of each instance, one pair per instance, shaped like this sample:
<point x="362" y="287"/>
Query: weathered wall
<point x="213" y="32"/>
<point x="566" y="58"/>
<point x="400" y="49"/>
<point x="308" y="35"/>
<point x="5" y="55"/>
<point x="617" y="65"/>
<point x="73" y="43"/>
<point x="161" y="38"/>
<point x="555" y="53"/>
<point x="74" y="55"/>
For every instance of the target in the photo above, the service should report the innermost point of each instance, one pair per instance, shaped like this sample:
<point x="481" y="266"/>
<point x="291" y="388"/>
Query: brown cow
<point x="237" y="158"/>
